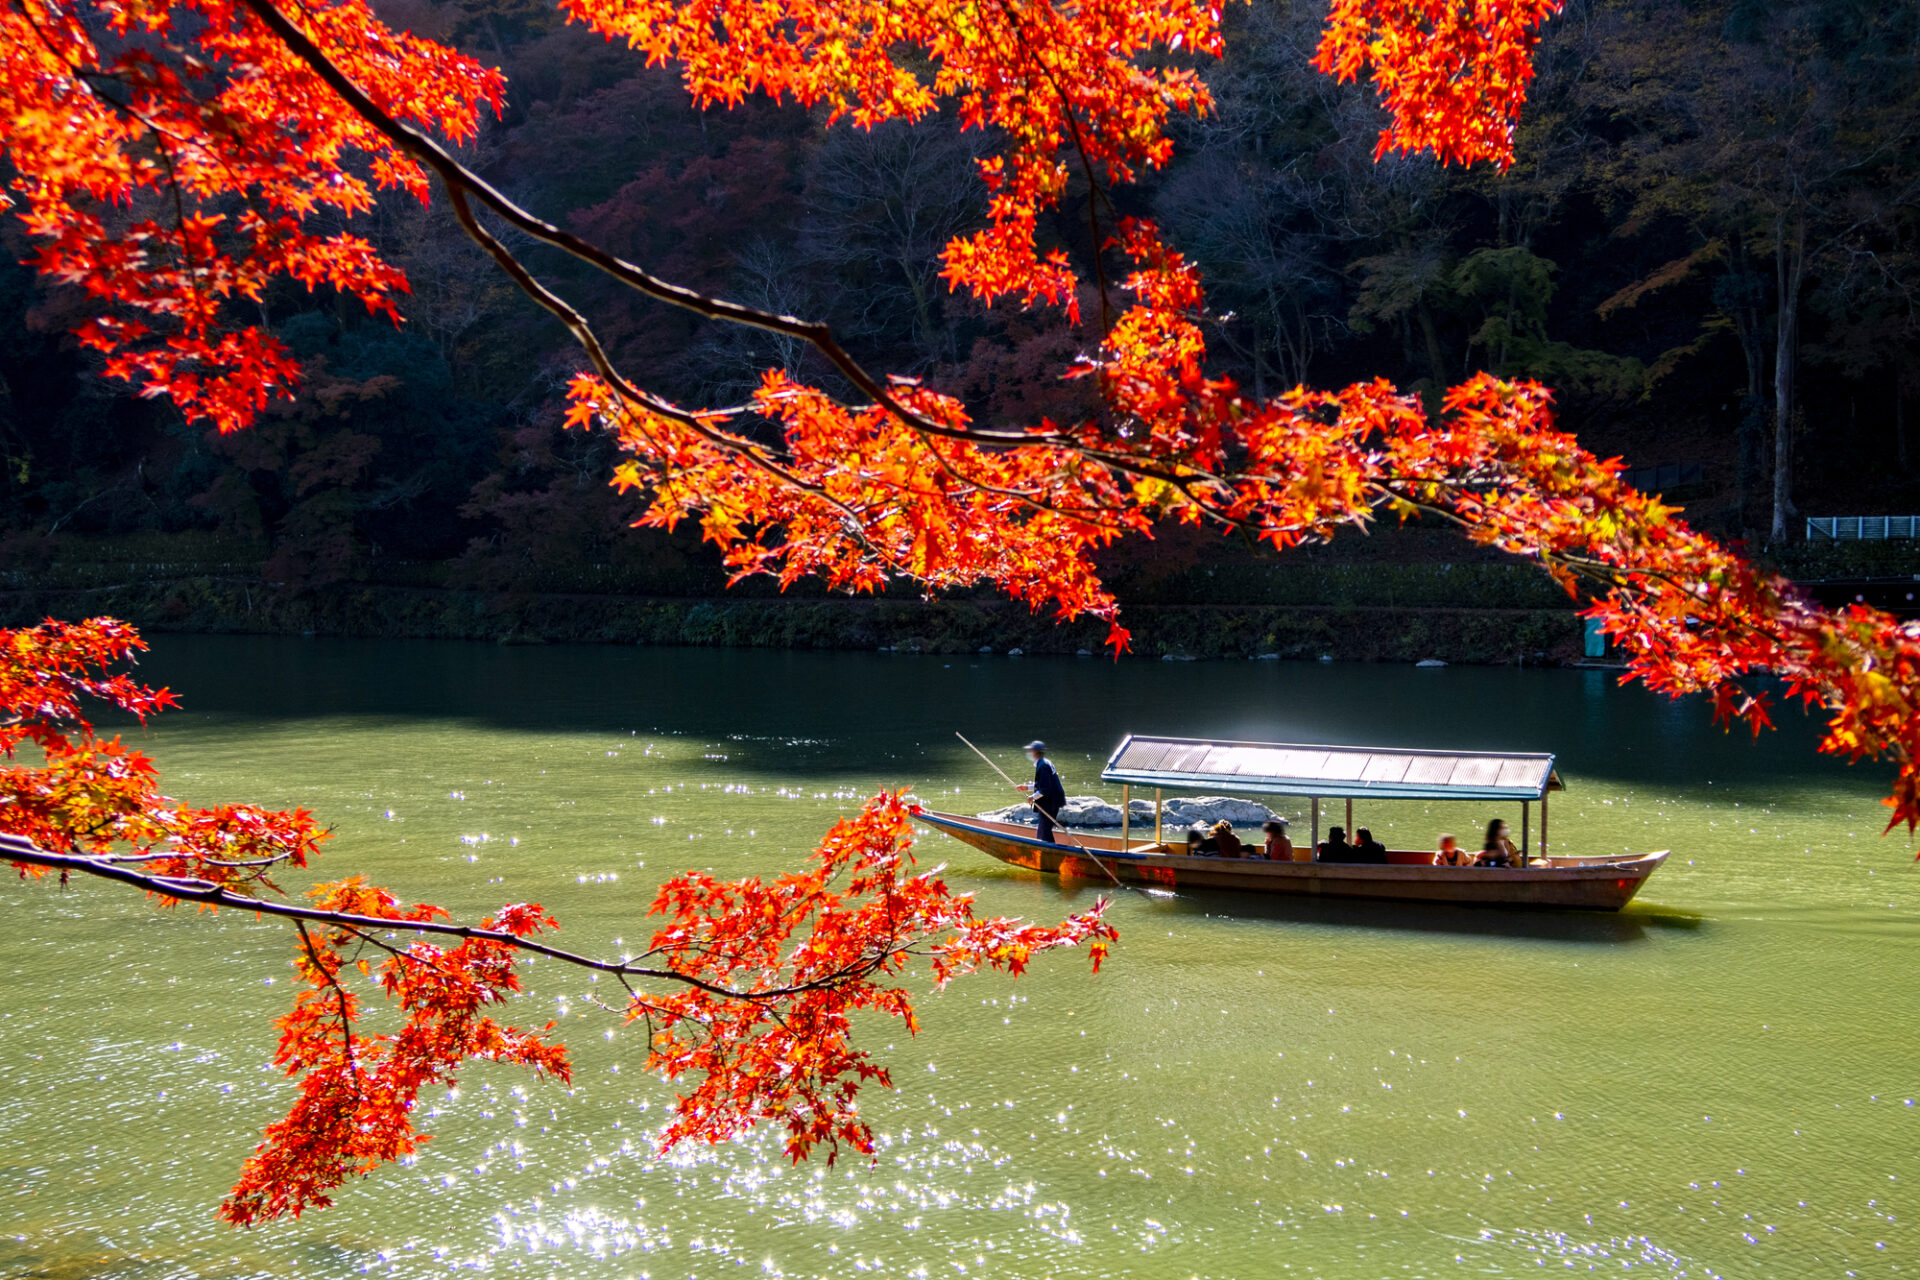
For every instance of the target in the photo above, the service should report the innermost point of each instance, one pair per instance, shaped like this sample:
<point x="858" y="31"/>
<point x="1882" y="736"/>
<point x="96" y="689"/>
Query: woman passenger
<point x="1498" y="851"/>
<point x="1225" y="843"/>
<point x="1367" y="849"/>
<point x="1278" y="847"/>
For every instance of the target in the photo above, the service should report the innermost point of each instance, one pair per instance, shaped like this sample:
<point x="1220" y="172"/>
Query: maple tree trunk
<point x="1436" y="360"/>
<point x="1900" y="428"/>
<point x="1790" y="273"/>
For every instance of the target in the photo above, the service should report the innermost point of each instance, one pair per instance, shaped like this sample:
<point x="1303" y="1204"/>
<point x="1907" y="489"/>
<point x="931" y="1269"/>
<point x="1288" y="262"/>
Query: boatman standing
<point x="1045" y="790"/>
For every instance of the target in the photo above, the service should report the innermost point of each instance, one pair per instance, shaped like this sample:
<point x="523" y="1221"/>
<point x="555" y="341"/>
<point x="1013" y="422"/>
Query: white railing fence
<point x="1862" y="528"/>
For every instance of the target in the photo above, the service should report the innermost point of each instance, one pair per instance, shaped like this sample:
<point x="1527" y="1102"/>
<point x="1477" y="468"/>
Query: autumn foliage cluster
<point x="171" y="159"/>
<point x="858" y="912"/>
<point x="95" y="797"/>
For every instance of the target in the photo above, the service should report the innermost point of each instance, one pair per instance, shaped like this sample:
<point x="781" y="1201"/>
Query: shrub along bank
<point x="1398" y="598"/>
<point x="1387" y="633"/>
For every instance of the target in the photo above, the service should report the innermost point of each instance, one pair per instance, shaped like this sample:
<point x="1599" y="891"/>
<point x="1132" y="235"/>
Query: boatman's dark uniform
<point x="1048" y="794"/>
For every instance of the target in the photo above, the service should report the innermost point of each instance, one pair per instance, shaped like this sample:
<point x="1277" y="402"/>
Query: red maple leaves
<point x="1066" y="85"/>
<point x="358" y="1091"/>
<point x="1453" y="74"/>
<point x="172" y="159"/>
<point x="97" y="798"/>
<point x="784" y="967"/>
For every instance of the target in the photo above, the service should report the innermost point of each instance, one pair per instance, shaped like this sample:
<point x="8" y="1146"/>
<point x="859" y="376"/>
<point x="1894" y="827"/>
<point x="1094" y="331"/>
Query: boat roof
<point x="1307" y="769"/>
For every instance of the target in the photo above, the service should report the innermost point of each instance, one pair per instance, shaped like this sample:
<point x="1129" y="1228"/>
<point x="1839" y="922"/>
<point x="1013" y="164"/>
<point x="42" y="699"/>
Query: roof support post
<point x="1156" y="817"/>
<point x="1349" y="819"/>
<point x="1315" y="828"/>
<point x="1543" y="824"/>
<point x="1526" y="841"/>
<point x="1126" y="817"/>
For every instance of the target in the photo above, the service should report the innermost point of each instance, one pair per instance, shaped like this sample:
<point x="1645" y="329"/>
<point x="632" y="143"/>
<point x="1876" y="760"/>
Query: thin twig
<point x="15" y="849"/>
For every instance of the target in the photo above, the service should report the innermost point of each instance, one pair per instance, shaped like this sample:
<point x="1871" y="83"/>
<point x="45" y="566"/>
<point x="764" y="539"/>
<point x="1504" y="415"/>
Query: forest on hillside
<point x="1707" y="247"/>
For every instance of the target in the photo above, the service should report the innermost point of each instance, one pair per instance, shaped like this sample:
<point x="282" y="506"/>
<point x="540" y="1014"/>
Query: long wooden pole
<point x="989" y="759"/>
<point x="1036" y="808"/>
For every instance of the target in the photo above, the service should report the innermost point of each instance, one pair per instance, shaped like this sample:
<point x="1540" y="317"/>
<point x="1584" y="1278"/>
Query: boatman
<point x="1045" y="791"/>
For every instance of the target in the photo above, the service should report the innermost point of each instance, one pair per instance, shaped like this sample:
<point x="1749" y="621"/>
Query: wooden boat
<point x="1591" y="883"/>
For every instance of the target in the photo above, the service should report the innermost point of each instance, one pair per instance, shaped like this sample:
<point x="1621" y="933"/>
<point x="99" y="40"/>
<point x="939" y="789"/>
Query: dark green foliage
<point x="235" y="604"/>
<point x="376" y="453"/>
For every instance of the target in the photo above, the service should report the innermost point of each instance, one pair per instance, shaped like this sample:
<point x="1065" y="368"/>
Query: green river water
<point x="1719" y="1082"/>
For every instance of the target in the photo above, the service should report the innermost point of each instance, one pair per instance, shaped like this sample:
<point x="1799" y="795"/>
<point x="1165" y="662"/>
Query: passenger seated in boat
<point x="1335" y="847"/>
<point x="1196" y="842"/>
<point x="1368" y="849"/>
<point x="1451" y="854"/>
<point x="1278" y="847"/>
<point x="1225" y="843"/>
<point x="1498" y="850"/>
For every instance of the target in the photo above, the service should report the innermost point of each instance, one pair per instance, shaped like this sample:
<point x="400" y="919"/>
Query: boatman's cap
<point x="1036" y="745"/>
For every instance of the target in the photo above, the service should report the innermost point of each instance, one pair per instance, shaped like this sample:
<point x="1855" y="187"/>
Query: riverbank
<point x="1347" y="632"/>
<point x="1403" y="595"/>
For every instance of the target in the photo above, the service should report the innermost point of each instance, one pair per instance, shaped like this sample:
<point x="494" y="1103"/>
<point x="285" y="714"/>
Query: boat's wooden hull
<point x="1585" y="884"/>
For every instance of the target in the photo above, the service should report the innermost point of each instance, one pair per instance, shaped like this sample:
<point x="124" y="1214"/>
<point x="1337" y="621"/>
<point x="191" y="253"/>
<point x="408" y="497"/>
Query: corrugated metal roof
<point x="1299" y="769"/>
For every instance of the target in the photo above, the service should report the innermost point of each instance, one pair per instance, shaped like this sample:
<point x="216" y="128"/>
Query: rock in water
<point x="1089" y="811"/>
<point x="1078" y="811"/>
<point x="1187" y="810"/>
<point x="1430" y="662"/>
<point x="1092" y="811"/>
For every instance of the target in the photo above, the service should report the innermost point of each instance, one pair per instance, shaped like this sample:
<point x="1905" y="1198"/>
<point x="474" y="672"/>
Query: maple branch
<point x="563" y="311"/>
<point x="578" y="325"/>
<point x="456" y="176"/>
<point x="174" y="854"/>
<point x="343" y="1001"/>
<point x="89" y="76"/>
<point x="18" y="850"/>
<point x="1626" y="581"/>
